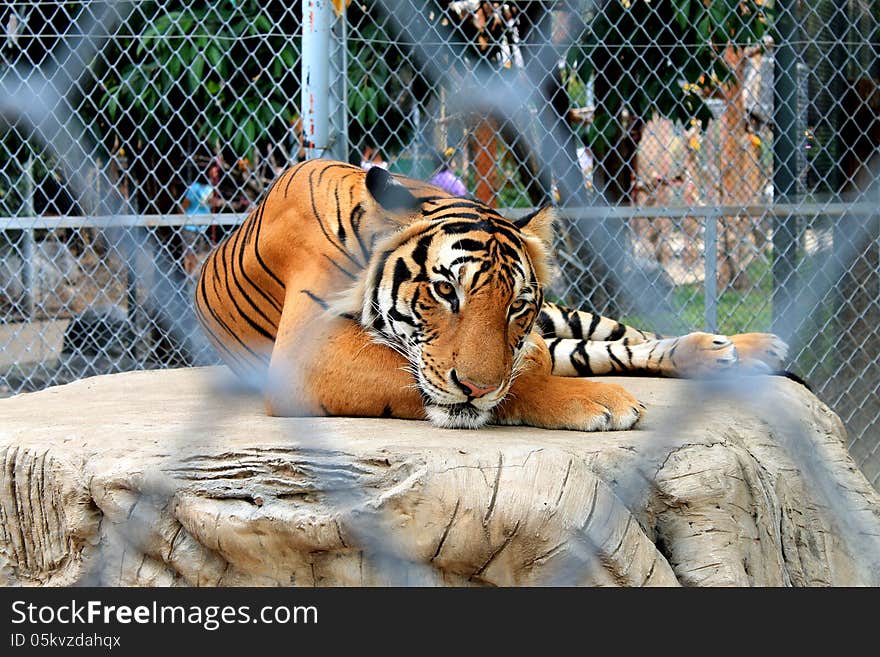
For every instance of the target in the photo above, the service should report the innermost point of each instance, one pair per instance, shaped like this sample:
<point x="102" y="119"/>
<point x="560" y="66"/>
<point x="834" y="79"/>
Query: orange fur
<point x="270" y="294"/>
<point x="353" y="293"/>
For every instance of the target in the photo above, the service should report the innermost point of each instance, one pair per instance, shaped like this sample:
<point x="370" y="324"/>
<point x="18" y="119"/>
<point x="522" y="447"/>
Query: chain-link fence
<point x="725" y="146"/>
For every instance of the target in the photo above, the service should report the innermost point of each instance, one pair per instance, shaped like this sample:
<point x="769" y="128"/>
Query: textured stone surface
<point x="164" y="478"/>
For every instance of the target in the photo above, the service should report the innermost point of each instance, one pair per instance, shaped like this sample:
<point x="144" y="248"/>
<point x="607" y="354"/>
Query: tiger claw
<point x="761" y="352"/>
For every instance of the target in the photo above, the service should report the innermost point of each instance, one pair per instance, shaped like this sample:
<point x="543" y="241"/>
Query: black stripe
<point x="378" y="322"/>
<point x="574" y="322"/>
<point x="651" y="353"/>
<point x="428" y="198"/>
<point x="470" y="205"/>
<point x="545" y="325"/>
<point x="235" y="361"/>
<point x="507" y="251"/>
<point x="420" y="253"/>
<point x="672" y="352"/>
<point x="314" y="297"/>
<point x="340" y="229"/>
<point x="583" y="367"/>
<point x="239" y="251"/>
<point x="274" y="184"/>
<point x="400" y="275"/>
<point x="614" y="358"/>
<point x="565" y="312"/>
<point x="594" y="323"/>
<point x="259" y="227"/>
<point x="354" y="219"/>
<point x="247" y="236"/>
<point x="327" y="234"/>
<point x="293" y="171"/>
<point x="617" y="333"/>
<point x="552" y="347"/>
<point x="460" y="260"/>
<point x="254" y="325"/>
<point x="495" y="228"/>
<point x="444" y="271"/>
<point x="469" y="245"/>
<point x="484" y="267"/>
<point x="340" y="267"/>
<point x="457" y="227"/>
<point x="336" y="165"/>
<point x="248" y="226"/>
<point x="413" y="304"/>
<point x="219" y="344"/>
<point x="398" y="316"/>
<point x="216" y="280"/>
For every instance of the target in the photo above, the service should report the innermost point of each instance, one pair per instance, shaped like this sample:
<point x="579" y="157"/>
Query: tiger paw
<point x="621" y="410"/>
<point x="575" y="404"/>
<point x="701" y="354"/>
<point x="760" y="352"/>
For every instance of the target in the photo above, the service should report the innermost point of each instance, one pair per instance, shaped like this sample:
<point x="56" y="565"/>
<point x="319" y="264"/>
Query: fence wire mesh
<point x="726" y="146"/>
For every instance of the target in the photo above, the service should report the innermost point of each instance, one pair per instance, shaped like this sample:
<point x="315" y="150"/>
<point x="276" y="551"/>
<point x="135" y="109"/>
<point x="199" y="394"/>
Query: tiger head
<point x="456" y="290"/>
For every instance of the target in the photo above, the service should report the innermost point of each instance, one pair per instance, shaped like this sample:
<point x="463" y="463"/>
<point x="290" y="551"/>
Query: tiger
<point x="369" y="294"/>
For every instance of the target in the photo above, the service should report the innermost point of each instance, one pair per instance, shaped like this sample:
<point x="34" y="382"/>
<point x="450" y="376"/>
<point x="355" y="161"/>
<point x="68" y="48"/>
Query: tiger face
<point x="457" y="293"/>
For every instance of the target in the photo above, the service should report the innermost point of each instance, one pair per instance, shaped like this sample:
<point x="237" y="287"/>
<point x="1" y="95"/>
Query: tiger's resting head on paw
<point x="457" y="292"/>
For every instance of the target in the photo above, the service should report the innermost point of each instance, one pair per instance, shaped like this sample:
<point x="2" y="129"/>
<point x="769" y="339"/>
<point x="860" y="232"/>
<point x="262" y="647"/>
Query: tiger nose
<point x="474" y="390"/>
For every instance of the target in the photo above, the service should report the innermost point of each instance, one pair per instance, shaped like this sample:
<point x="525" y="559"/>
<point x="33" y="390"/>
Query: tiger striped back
<point x="312" y="233"/>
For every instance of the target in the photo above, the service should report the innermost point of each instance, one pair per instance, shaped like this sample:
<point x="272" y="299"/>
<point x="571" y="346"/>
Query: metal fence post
<point x="785" y="161"/>
<point x="28" y="246"/>
<point x="710" y="281"/>
<point x="315" y="77"/>
<point x="338" y="94"/>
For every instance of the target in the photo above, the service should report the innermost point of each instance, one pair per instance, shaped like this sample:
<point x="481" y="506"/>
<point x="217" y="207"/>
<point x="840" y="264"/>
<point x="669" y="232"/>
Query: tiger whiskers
<point x="411" y="370"/>
<point x="519" y="362"/>
<point x="403" y="350"/>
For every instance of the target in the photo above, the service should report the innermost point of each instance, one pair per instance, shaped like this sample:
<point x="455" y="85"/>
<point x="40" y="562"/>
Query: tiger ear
<point x="537" y="228"/>
<point x="389" y="193"/>
<point x="539" y="224"/>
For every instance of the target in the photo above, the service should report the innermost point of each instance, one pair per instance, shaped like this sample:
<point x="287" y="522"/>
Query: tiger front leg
<point x="339" y="371"/>
<point x="556" y="321"/>
<point x="702" y="352"/>
<point x="538" y="398"/>
<point x="692" y="355"/>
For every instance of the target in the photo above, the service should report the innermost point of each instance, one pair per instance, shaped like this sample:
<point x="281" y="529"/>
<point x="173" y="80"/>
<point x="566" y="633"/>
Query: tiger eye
<point x="444" y="289"/>
<point x="517" y="305"/>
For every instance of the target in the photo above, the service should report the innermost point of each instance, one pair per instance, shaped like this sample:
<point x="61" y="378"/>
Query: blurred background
<point x="726" y="149"/>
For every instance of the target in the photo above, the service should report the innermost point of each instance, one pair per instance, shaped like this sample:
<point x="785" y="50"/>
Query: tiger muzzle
<point x="473" y="389"/>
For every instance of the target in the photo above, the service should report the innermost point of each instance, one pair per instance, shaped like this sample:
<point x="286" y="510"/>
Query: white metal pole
<point x="710" y="270"/>
<point x="343" y="112"/>
<point x="315" y="77"/>
<point x="28" y="246"/>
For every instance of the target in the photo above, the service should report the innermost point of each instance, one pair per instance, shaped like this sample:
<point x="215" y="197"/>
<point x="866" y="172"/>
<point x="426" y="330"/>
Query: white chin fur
<point x="440" y="417"/>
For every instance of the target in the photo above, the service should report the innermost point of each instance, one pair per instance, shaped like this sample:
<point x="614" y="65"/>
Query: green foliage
<point x="382" y="84"/>
<point x="738" y="311"/>
<point x="657" y="56"/>
<point x="218" y="71"/>
<point x="24" y="166"/>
